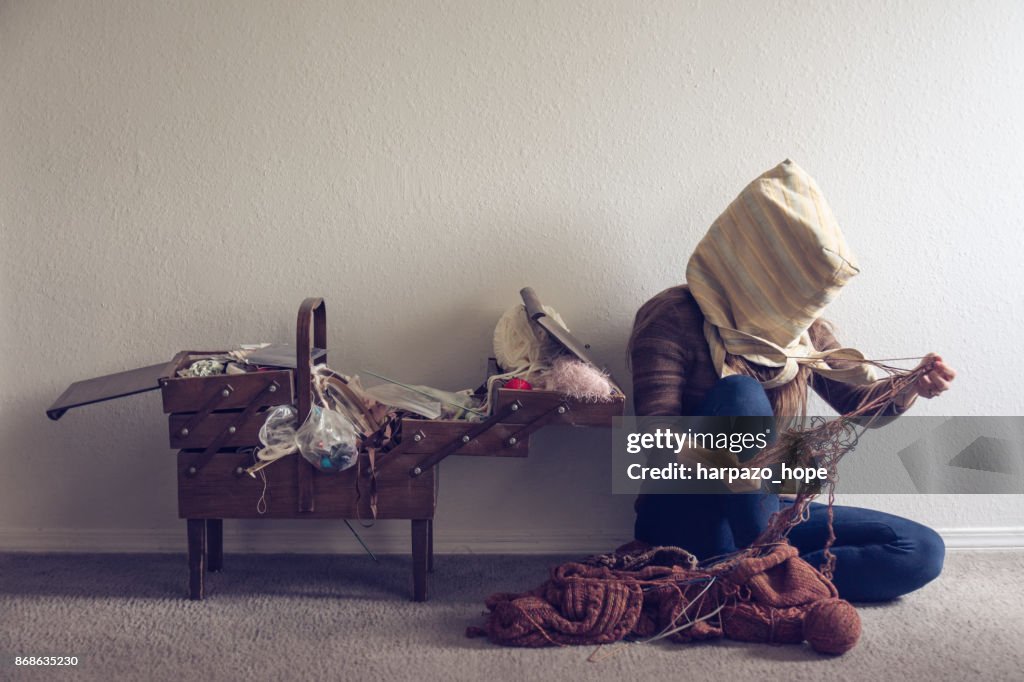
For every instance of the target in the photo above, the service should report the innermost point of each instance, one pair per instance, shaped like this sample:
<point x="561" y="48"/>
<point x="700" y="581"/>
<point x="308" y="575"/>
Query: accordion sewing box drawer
<point x="214" y="423"/>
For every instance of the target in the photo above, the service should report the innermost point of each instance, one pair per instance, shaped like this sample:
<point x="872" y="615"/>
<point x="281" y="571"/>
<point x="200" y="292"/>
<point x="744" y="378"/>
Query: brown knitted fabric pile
<point x="660" y="593"/>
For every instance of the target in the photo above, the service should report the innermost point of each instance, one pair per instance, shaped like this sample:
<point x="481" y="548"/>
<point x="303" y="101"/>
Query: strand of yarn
<point x="823" y="445"/>
<point x="261" y="504"/>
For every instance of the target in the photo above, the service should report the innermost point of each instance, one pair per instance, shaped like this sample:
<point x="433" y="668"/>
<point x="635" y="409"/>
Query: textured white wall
<point x="182" y="174"/>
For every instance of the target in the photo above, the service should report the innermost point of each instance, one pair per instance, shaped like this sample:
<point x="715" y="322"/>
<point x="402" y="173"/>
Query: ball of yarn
<point x="518" y="384"/>
<point x="832" y="626"/>
<point x="520" y="346"/>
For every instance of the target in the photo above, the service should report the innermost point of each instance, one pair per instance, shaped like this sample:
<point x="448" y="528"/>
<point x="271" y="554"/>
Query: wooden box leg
<point x="420" y="532"/>
<point x="214" y="545"/>
<point x="430" y="546"/>
<point x="196" y="557"/>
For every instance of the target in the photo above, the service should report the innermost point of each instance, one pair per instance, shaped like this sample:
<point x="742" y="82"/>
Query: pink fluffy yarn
<point x="579" y="381"/>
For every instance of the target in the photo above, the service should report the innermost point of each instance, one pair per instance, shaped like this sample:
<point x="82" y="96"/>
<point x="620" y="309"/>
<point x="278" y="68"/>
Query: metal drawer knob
<point x="232" y="429"/>
<point x="225" y="393"/>
<point x="184" y="432"/>
<point x="466" y="438"/>
<point x="417" y="438"/>
<point x="273" y="388"/>
<point x="192" y="471"/>
<point x="561" y="409"/>
<point x="513" y="440"/>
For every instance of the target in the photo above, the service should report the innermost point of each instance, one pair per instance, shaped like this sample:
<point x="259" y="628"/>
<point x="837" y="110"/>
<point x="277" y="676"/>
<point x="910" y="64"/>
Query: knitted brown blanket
<point x="642" y="593"/>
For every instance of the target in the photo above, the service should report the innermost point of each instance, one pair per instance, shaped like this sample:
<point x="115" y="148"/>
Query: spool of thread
<point x="832" y="626"/>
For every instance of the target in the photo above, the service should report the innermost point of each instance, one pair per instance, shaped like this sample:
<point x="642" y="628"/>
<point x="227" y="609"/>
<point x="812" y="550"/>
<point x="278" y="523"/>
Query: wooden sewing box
<point x="214" y="424"/>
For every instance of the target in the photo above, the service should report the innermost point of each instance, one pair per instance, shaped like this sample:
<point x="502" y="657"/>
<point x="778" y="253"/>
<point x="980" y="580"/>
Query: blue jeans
<point x="879" y="556"/>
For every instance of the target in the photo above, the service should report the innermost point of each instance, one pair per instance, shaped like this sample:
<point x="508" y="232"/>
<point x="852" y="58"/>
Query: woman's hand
<point x="931" y="384"/>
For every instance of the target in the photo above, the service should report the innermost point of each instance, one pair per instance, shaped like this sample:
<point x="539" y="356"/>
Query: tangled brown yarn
<point x="762" y="596"/>
<point x="764" y="593"/>
<point x="823" y="444"/>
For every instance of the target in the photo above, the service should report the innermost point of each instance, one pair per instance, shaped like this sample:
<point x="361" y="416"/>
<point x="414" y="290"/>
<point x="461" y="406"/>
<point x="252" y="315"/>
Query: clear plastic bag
<point x="278" y="431"/>
<point x="327" y="440"/>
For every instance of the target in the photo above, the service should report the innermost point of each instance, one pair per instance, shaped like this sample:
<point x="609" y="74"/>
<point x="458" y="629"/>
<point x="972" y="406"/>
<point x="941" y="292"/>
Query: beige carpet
<point x="320" y="617"/>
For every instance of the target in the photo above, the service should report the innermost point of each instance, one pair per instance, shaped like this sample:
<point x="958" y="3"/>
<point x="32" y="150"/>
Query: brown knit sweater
<point x="672" y="368"/>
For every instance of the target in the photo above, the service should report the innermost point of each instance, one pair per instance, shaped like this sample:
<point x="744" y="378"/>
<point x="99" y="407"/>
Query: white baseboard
<point x="387" y="538"/>
<point x="983" y="538"/>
